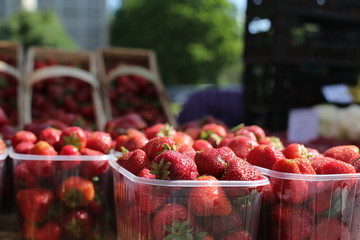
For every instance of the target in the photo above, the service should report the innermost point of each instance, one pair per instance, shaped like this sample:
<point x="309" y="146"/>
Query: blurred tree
<point x="194" y="39"/>
<point x="35" y="29"/>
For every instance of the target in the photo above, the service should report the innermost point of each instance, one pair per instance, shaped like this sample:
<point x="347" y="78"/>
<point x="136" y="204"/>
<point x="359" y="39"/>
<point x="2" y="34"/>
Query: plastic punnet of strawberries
<point x="188" y="184"/>
<point x="61" y="179"/>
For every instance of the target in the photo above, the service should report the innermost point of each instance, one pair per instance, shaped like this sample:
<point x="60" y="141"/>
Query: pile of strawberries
<point x="59" y="98"/>
<point x="209" y="211"/>
<point x="61" y="197"/>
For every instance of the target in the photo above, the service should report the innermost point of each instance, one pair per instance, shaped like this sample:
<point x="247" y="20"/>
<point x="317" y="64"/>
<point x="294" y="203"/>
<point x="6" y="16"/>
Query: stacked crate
<point x="309" y="44"/>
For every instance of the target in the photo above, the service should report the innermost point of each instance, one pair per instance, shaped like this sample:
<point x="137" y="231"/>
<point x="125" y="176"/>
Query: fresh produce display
<point x="60" y="98"/>
<point x="164" y="189"/>
<point x="61" y="179"/>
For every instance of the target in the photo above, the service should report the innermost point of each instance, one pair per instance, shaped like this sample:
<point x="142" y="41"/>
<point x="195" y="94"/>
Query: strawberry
<point x="291" y="222"/>
<point x="69" y="150"/>
<point x="50" y="135"/>
<point x="23" y="176"/>
<point x="297" y="165"/>
<point x="174" y="165"/>
<point x="160" y="130"/>
<point x="213" y="161"/>
<point x="49" y="231"/>
<point x="345" y="153"/>
<point x="145" y="173"/>
<point x="23" y="136"/>
<point x="76" y="192"/>
<point x="76" y="224"/>
<point x="150" y="198"/>
<point x="210" y="200"/>
<point x="295" y="150"/>
<point x="134" y="161"/>
<point x="238" y="234"/>
<point x="182" y="138"/>
<point x="173" y="221"/>
<point x="321" y="202"/>
<point x="23" y="147"/>
<point x="187" y="151"/>
<point x="201" y="144"/>
<point x="257" y="130"/>
<point x="73" y="136"/>
<point x="330" y="229"/>
<point x="241" y="146"/>
<point x="100" y="141"/>
<point x="264" y="156"/>
<point x="328" y="165"/>
<point x="245" y="133"/>
<point x="133" y="140"/>
<point x="34" y="204"/>
<point x="92" y="168"/>
<point x="2" y="146"/>
<point x="213" y="132"/>
<point x="240" y="170"/>
<point x="42" y="148"/>
<point x="157" y="145"/>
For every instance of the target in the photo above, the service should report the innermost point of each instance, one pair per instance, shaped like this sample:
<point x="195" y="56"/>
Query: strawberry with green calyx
<point x="241" y="146"/>
<point x="173" y="221"/>
<point x="264" y="156"/>
<point x="100" y="141"/>
<point x="210" y="200"/>
<point x="134" y="161"/>
<point x="272" y="140"/>
<point x="172" y="165"/>
<point x="213" y="161"/>
<point x="160" y="130"/>
<point x="51" y="136"/>
<point x="77" y="224"/>
<point x="34" y="204"/>
<point x="49" y="231"/>
<point x="237" y="234"/>
<point x="157" y="145"/>
<point x="73" y="136"/>
<point x="132" y="140"/>
<point x="145" y="173"/>
<point x="69" y="150"/>
<point x="76" y="192"/>
<point x="201" y="144"/>
<point x="213" y="133"/>
<point x="345" y="153"/>
<point x="295" y="150"/>
<point x="23" y="136"/>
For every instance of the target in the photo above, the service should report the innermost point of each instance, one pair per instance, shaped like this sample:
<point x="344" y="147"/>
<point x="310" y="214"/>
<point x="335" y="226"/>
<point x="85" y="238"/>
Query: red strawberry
<point x="240" y="170"/>
<point x="23" y="176"/>
<point x="201" y="144"/>
<point x="50" y="135"/>
<point x="133" y="140"/>
<point x="34" y="204"/>
<point x="73" y="136"/>
<point x="295" y="150"/>
<point x="23" y="147"/>
<point x="257" y="130"/>
<point x="291" y="222"/>
<point x="134" y="161"/>
<point x="345" y="153"/>
<point x="77" y="224"/>
<point x="42" y="148"/>
<point x="297" y="165"/>
<point x="264" y="156"/>
<point x="187" y="150"/>
<point x="92" y="168"/>
<point x="213" y="132"/>
<point x="238" y="234"/>
<point x="76" y="192"/>
<point x="23" y="136"/>
<point x="172" y="221"/>
<point x="100" y="141"/>
<point x="145" y="173"/>
<point x="29" y="230"/>
<point x="158" y="145"/>
<point x="327" y="165"/>
<point x="213" y="161"/>
<point x="182" y="138"/>
<point x="330" y="229"/>
<point x="160" y="130"/>
<point x="321" y="202"/>
<point x="49" y="231"/>
<point x="151" y="198"/>
<point x="174" y="165"/>
<point x="245" y="133"/>
<point x="209" y="201"/>
<point x="69" y="150"/>
<point x="241" y="146"/>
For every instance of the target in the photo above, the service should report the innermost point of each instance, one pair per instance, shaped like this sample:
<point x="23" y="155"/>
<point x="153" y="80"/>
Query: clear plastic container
<point x="315" y="207"/>
<point x="64" y="196"/>
<point x="140" y="203"/>
<point x="3" y="157"/>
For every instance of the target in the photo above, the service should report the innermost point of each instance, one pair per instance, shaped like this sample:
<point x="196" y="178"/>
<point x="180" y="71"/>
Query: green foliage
<point x="194" y="39"/>
<point x="35" y="29"/>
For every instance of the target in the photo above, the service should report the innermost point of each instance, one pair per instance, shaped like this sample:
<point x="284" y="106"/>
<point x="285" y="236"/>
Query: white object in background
<point x="302" y="125"/>
<point x="337" y="93"/>
<point x="29" y="5"/>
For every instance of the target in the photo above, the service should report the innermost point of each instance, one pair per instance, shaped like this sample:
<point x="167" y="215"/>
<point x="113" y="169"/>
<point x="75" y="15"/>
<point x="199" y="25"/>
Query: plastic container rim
<point x="19" y="156"/>
<point x="4" y="155"/>
<point x="185" y="183"/>
<point x="308" y="177"/>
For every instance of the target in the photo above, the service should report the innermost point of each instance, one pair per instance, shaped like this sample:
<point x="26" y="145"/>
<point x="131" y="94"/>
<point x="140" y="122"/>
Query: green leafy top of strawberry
<point x="166" y="131"/>
<point x="73" y="198"/>
<point x="74" y="140"/>
<point x="210" y="135"/>
<point x="161" y="169"/>
<point x="179" y="231"/>
<point x="74" y="227"/>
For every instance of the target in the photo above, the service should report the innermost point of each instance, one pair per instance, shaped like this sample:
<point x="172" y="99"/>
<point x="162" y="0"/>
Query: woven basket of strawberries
<point x="61" y="85"/>
<point x="131" y="84"/>
<point x="61" y="183"/>
<point x="169" y="185"/>
<point x="10" y="87"/>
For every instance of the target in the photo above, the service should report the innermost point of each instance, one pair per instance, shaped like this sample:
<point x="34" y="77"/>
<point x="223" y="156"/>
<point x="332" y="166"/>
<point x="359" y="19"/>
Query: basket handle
<point x="4" y="67"/>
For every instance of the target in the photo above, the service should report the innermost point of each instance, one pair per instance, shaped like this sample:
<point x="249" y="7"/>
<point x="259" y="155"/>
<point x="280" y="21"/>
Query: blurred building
<point x="85" y="21"/>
